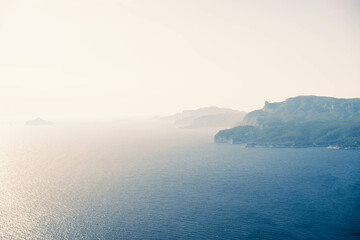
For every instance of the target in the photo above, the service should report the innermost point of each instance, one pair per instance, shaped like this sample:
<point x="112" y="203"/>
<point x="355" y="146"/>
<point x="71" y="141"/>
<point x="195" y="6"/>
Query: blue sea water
<point x="116" y="182"/>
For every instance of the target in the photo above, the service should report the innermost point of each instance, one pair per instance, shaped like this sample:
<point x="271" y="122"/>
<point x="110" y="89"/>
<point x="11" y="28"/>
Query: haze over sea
<point x="145" y="180"/>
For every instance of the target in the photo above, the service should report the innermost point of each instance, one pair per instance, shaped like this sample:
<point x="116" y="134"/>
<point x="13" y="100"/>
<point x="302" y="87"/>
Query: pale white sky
<point x="140" y="57"/>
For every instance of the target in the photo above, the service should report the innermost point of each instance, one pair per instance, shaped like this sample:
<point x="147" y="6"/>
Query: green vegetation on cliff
<point x="306" y="121"/>
<point x="309" y="134"/>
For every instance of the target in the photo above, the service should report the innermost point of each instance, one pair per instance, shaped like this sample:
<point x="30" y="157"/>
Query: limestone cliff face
<point x="299" y="122"/>
<point x="306" y="108"/>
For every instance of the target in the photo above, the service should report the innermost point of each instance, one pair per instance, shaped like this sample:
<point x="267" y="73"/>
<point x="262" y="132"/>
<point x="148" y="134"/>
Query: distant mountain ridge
<point x="37" y="122"/>
<point x="208" y="117"/>
<point x="301" y="121"/>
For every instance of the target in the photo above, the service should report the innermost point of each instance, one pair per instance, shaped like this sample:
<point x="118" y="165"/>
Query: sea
<point x="149" y="180"/>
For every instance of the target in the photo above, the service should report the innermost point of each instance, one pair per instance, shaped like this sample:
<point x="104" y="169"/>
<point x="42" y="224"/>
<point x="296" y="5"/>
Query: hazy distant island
<point x="208" y="117"/>
<point x="303" y="121"/>
<point x="37" y="122"/>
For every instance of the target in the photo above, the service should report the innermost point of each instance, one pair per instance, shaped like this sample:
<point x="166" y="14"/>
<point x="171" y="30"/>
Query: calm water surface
<point x="120" y="181"/>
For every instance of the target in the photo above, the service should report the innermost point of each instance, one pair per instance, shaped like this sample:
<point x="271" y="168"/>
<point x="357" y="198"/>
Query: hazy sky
<point x="133" y="57"/>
